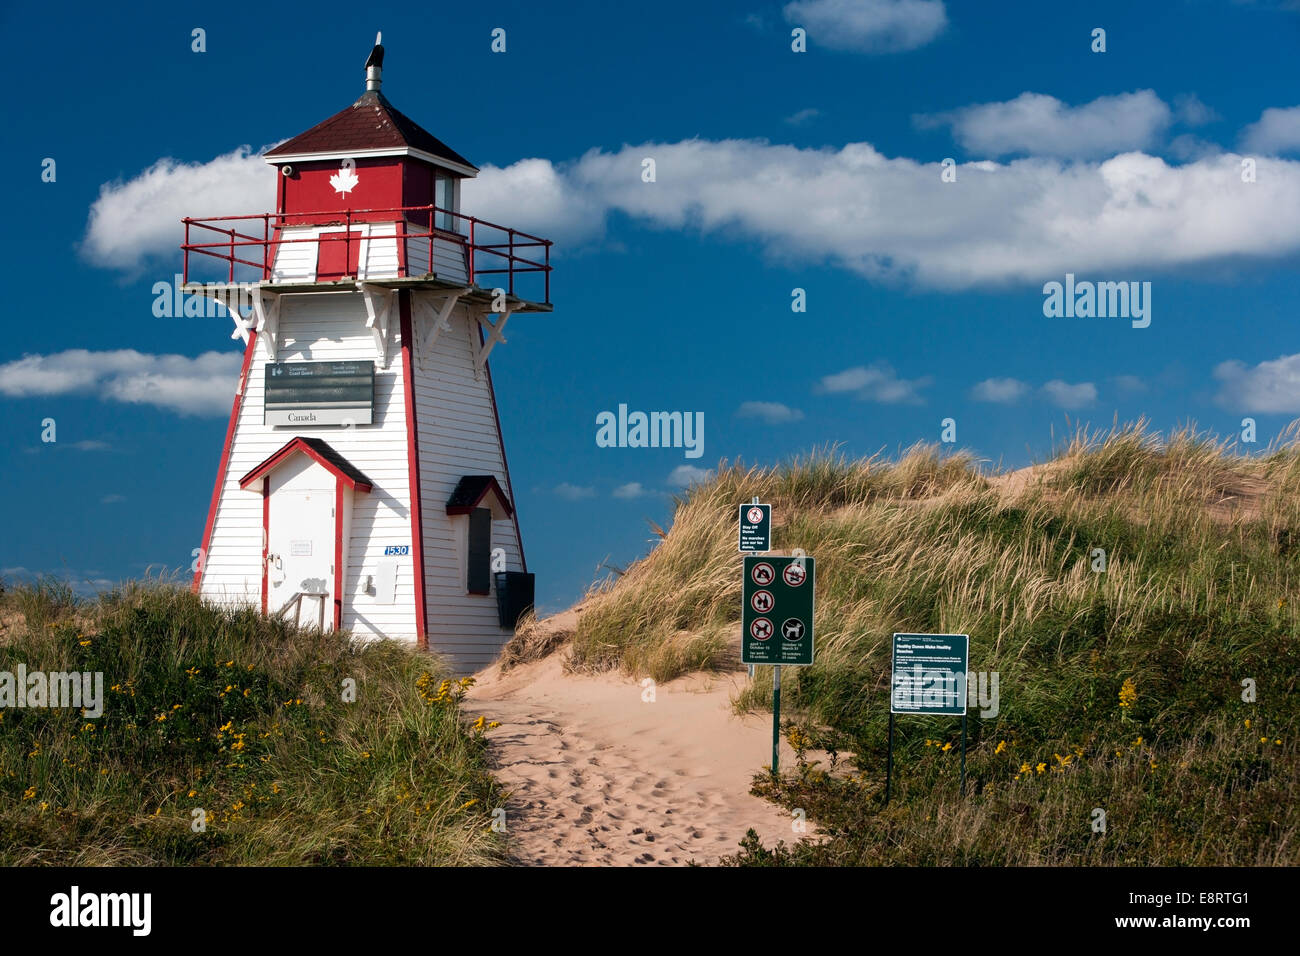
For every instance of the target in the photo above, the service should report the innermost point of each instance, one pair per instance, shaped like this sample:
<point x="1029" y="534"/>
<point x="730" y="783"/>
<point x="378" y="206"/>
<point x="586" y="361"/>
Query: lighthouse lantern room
<point x="363" y="483"/>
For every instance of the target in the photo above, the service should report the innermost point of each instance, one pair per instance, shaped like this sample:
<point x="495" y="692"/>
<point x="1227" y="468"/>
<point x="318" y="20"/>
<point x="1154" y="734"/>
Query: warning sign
<point x="755" y="528"/>
<point x="777" y="589"/>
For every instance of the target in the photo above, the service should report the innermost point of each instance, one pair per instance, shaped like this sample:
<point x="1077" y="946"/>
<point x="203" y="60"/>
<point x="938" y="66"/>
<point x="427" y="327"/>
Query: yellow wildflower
<point x="1128" y="693"/>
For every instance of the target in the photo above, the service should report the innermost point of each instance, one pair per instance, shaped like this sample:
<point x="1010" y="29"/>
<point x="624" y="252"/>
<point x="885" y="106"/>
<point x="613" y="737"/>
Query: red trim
<point x="225" y="461"/>
<point x="266" y="538"/>
<point x="494" y="486"/>
<point x="413" y="470"/>
<point x="338" y="552"/>
<point x="501" y="439"/>
<point x="292" y="447"/>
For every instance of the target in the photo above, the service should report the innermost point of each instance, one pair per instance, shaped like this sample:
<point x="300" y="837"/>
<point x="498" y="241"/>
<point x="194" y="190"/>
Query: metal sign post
<point x="776" y="719"/>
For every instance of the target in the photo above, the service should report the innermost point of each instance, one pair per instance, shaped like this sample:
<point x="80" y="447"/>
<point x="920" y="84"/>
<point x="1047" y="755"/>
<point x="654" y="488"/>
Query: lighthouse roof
<point x="371" y="126"/>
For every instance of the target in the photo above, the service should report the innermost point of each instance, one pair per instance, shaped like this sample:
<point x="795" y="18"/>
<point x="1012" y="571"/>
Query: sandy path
<point x="600" y="777"/>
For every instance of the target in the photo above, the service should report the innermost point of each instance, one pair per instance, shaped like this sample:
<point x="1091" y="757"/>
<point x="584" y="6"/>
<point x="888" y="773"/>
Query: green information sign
<point x="755" y="527"/>
<point x="777" y="614"/>
<point x="929" y="674"/>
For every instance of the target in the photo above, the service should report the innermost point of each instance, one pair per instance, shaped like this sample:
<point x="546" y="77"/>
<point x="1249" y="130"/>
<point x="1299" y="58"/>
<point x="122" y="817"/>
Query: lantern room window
<point x="444" y="197"/>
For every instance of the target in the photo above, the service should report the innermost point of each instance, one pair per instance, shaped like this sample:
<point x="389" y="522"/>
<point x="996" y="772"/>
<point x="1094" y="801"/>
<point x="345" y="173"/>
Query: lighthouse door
<point x="300" y="546"/>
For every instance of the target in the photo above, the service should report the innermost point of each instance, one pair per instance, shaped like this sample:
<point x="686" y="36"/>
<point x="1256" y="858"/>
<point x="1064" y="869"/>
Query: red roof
<point x="369" y="123"/>
<point x="319" y="451"/>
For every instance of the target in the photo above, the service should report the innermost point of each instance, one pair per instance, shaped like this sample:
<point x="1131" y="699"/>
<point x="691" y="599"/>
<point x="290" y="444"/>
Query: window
<point x="479" y="578"/>
<point x="444" y="197"/>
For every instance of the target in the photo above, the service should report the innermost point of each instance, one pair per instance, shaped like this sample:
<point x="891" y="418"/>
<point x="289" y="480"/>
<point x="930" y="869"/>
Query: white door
<point x="300" y="555"/>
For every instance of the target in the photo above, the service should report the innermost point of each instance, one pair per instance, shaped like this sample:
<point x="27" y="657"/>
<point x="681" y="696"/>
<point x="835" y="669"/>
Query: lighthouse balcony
<point x="404" y="246"/>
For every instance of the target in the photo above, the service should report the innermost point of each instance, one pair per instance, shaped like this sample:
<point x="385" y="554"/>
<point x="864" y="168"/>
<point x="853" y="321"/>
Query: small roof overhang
<point x="479" y="491"/>
<point x="320" y="452"/>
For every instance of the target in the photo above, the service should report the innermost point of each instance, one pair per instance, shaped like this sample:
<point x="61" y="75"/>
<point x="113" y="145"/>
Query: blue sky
<point x="775" y="170"/>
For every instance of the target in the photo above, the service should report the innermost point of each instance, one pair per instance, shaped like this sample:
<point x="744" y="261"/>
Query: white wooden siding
<point x="457" y="436"/>
<point x="323" y="327"/>
<point x="457" y="433"/>
<point x="376" y="257"/>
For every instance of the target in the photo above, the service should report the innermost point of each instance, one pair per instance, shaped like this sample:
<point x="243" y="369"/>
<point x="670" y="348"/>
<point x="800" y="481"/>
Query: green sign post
<point x="928" y="676"/>
<point x="777" y="622"/>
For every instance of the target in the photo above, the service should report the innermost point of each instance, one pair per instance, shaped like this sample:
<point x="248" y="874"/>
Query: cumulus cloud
<point x="1272" y="386"/>
<point x="877" y="382"/>
<point x="632" y="489"/>
<point x="869" y="26"/>
<point x="192" y="386"/>
<point x="574" y="492"/>
<point x="1276" y="131"/>
<point x="684" y="475"/>
<point x="1001" y="390"/>
<point x="854" y="208"/>
<point x="133" y="222"/>
<point x="771" y="413"/>
<point x="1040" y="125"/>
<point x="1070" y="396"/>
<point x="1189" y="110"/>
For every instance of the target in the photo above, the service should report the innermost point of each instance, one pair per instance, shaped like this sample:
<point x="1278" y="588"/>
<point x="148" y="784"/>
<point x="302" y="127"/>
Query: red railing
<point x="510" y="252"/>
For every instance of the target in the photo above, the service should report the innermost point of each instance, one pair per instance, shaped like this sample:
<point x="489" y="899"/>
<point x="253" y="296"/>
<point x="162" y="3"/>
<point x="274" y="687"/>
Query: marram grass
<point x="243" y="719"/>
<point x="1120" y="691"/>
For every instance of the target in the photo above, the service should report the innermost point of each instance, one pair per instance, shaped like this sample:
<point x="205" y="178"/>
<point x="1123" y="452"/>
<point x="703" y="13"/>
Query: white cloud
<point x="1002" y="390"/>
<point x="1070" y="396"/>
<point x="1272" y="386"/>
<point x="90" y="444"/>
<point x="192" y="386"/>
<point x="869" y="26"/>
<point x="684" y="475"/>
<point x="1276" y="131"/>
<point x="803" y="116"/>
<point x="134" y="222"/>
<point x="1130" y="384"/>
<point x="771" y="413"/>
<point x="574" y="492"/>
<point x="854" y="208"/>
<point x="1190" y="111"/>
<point x="1040" y="125"/>
<point x="112" y="499"/>
<point x="632" y="489"/>
<point x="877" y="382"/>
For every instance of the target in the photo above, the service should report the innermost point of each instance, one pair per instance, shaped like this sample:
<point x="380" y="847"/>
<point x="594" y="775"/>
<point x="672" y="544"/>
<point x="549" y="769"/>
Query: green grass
<point x="244" y="719"/>
<point x="1198" y="595"/>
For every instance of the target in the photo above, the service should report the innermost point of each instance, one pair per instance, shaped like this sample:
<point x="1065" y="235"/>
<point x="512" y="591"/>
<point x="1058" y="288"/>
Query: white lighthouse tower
<point x="363" y="483"/>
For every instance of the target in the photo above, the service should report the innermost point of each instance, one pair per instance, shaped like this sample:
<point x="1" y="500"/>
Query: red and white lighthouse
<point x="363" y="483"/>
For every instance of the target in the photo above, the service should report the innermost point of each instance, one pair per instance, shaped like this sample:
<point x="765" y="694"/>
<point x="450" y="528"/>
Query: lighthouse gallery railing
<point x="503" y="256"/>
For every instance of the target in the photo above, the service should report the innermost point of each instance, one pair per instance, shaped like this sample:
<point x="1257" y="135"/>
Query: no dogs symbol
<point x="760" y="629"/>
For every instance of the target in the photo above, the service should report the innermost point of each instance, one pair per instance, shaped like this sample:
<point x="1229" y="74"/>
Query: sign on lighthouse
<point x="363" y="481"/>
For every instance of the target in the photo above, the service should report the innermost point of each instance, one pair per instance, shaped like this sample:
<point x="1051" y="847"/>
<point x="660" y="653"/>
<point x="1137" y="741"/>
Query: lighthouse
<point x="363" y="482"/>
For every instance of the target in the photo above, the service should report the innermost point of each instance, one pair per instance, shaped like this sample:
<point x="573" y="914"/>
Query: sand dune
<point x="600" y="777"/>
